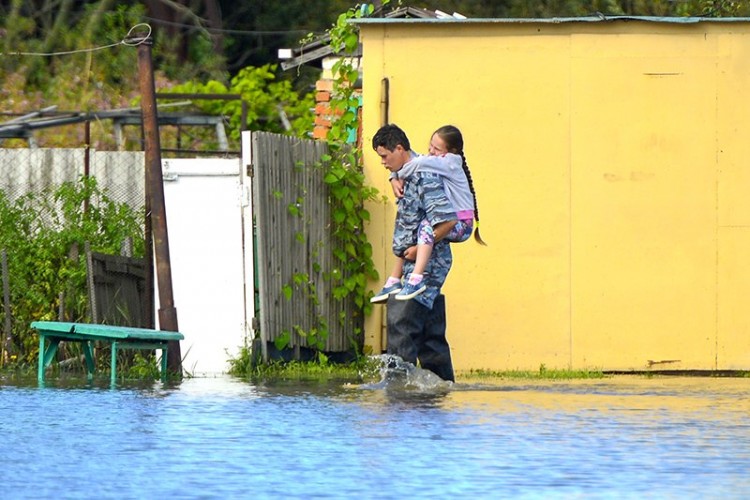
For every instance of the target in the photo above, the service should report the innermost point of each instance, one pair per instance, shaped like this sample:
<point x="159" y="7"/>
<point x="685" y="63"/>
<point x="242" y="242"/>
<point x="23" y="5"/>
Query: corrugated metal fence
<point x="120" y="173"/>
<point x="294" y="245"/>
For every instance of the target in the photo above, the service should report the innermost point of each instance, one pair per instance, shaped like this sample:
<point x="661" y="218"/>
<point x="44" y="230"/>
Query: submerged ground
<point x="404" y="434"/>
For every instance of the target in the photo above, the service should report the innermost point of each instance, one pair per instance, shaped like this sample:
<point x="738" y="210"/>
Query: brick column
<point x="323" y="89"/>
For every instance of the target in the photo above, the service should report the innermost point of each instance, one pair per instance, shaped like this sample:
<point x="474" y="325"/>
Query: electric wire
<point x="129" y="40"/>
<point x="227" y="31"/>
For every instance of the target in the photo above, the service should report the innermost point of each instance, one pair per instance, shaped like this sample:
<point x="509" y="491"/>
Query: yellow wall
<point x="610" y="162"/>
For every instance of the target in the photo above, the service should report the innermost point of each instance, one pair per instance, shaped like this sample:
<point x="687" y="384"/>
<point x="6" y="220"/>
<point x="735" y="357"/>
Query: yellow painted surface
<point x="610" y="162"/>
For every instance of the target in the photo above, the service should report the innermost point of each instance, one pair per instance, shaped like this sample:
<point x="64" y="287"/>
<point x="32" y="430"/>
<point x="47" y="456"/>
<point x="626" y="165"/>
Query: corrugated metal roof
<point x="600" y="18"/>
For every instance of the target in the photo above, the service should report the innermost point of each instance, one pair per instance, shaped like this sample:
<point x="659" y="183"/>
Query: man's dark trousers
<point x="418" y="333"/>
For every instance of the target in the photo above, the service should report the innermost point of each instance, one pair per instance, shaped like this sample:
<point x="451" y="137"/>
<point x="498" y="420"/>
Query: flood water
<point x="623" y="437"/>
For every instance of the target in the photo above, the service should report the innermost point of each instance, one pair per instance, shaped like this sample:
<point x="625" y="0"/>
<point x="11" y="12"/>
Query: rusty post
<point x="148" y="257"/>
<point x="155" y="183"/>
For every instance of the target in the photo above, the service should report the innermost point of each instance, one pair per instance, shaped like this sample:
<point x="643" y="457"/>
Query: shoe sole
<point x="379" y="299"/>
<point x="411" y="295"/>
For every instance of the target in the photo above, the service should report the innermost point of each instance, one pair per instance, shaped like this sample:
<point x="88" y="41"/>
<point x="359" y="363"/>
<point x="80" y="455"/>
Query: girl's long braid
<point x="477" y="236"/>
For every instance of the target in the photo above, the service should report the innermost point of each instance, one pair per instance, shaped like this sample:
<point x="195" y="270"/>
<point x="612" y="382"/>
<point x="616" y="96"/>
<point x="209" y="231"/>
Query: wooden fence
<point x="117" y="290"/>
<point x="294" y="246"/>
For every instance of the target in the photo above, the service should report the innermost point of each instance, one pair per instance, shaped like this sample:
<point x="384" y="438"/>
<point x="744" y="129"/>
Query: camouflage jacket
<point x="424" y="198"/>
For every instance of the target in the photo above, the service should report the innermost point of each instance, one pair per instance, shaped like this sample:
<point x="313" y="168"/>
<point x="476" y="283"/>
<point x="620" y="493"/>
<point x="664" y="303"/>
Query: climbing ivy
<point x="344" y="176"/>
<point x="348" y="192"/>
<point x="342" y="166"/>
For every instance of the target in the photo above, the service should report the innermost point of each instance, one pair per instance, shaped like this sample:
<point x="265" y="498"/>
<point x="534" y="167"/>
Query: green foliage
<point x="242" y="365"/>
<point x="32" y="77"/>
<point x="77" y="29"/>
<point x="73" y="58"/>
<point x="282" y="341"/>
<point x="344" y="174"/>
<point x="354" y="252"/>
<point x="362" y="370"/>
<point x="78" y="76"/>
<point x="44" y="236"/>
<point x="724" y="8"/>
<point x="269" y="102"/>
<point x="143" y="368"/>
<point x="317" y="335"/>
<point x="543" y="373"/>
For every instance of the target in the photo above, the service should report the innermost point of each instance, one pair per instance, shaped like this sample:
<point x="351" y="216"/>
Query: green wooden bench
<point x="119" y="337"/>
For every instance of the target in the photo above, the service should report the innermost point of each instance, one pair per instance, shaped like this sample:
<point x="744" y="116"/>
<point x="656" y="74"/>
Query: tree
<point x="181" y="19"/>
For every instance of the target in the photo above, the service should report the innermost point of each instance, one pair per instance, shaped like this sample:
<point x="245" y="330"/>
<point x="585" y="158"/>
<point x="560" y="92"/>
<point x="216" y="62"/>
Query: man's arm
<point x="441" y="230"/>
<point x="438" y="210"/>
<point x="424" y="198"/>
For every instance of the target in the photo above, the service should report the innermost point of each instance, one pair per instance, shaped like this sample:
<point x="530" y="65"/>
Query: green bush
<point x="271" y="104"/>
<point x="44" y="236"/>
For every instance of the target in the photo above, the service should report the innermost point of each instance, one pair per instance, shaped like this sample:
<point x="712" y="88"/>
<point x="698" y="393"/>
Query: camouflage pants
<point x="416" y="333"/>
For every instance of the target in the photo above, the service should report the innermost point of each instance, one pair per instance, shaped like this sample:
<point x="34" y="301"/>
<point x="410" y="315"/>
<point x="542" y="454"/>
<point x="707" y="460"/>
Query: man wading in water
<point x="416" y="328"/>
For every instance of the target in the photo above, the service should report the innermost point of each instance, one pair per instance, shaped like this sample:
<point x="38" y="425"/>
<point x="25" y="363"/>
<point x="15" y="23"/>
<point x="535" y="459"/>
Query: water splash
<point x="399" y="375"/>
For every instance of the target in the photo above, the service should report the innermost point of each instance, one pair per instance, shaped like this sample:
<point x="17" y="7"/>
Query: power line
<point x="226" y="31"/>
<point x="129" y="40"/>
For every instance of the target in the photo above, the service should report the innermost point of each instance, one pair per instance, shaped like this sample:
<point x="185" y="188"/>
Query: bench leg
<point x="113" y="367"/>
<point x="164" y="364"/>
<point x="46" y="355"/>
<point x="40" y="370"/>
<point x="90" y="367"/>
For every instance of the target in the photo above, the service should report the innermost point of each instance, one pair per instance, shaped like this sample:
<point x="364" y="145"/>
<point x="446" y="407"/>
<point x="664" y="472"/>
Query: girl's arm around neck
<point x="441" y="165"/>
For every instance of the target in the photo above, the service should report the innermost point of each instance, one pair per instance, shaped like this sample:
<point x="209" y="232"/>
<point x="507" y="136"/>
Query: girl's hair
<point x="454" y="142"/>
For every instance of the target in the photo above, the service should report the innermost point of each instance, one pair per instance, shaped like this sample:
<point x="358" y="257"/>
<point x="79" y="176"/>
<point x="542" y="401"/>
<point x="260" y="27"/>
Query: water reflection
<point x="625" y="437"/>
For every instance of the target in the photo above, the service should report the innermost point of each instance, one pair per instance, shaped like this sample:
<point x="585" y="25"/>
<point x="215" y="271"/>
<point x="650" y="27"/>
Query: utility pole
<point x="155" y="193"/>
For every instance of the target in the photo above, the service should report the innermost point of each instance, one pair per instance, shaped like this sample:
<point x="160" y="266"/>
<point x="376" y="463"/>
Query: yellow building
<point x="610" y="160"/>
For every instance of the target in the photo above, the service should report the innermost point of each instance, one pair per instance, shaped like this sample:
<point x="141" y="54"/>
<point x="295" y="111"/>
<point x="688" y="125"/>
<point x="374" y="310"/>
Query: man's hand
<point x="443" y="228"/>
<point x="398" y="187"/>
<point x="411" y="253"/>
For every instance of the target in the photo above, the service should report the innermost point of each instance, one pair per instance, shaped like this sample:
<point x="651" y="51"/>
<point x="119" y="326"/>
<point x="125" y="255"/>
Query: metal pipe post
<point x="155" y="182"/>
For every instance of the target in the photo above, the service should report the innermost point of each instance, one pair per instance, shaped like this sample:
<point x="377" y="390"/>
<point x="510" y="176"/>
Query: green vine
<point x="342" y="167"/>
<point x="345" y="179"/>
<point x="344" y="175"/>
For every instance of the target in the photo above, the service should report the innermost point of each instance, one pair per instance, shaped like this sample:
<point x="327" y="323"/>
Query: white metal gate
<point x="206" y="202"/>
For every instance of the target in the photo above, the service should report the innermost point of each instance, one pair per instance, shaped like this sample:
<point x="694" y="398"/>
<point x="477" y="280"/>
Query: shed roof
<point x="320" y="47"/>
<point x="598" y="18"/>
